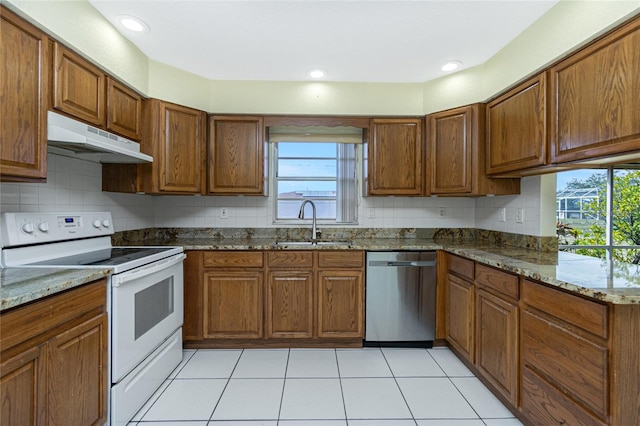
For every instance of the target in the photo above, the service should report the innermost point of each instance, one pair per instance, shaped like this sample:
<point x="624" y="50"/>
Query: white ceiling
<point x="353" y="40"/>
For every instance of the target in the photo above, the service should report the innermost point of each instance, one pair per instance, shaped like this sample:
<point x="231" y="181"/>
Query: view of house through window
<point x="598" y="212"/>
<point x="317" y="171"/>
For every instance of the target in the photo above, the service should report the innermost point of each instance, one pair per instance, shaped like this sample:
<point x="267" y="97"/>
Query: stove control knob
<point x="28" y="228"/>
<point x="96" y="223"/>
<point x="106" y="223"/>
<point x="43" y="226"/>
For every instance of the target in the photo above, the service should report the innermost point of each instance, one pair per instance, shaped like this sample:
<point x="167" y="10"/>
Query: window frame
<point x="274" y="178"/>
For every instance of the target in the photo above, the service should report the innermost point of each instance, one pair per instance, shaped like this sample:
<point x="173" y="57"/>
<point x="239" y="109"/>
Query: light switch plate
<point x="224" y="213"/>
<point x="502" y="215"/>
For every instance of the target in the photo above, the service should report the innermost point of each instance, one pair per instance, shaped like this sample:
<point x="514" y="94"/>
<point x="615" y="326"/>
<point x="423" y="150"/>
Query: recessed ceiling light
<point x="317" y="73"/>
<point x="133" y="24"/>
<point x="451" y="66"/>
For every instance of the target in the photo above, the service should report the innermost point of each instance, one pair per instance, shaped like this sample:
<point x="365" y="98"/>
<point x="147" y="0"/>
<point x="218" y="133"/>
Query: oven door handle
<point x="120" y="279"/>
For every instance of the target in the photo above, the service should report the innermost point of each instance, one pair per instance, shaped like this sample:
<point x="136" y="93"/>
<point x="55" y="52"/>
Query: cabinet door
<point x="595" y="106"/>
<point x="236" y="156"/>
<point x="24" y="90"/>
<point x="79" y="87"/>
<point x="497" y="343"/>
<point x="449" y="143"/>
<point x="124" y="110"/>
<point x="177" y="140"/>
<point x="340" y="306"/>
<point x="233" y="304"/>
<point x="78" y="375"/>
<point x="516" y="128"/>
<point x="460" y="315"/>
<point x="395" y="157"/>
<point x="290" y="304"/>
<point x="23" y="388"/>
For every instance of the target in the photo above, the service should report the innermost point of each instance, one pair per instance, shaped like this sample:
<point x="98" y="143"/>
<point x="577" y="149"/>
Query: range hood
<point x="72" y="138"/>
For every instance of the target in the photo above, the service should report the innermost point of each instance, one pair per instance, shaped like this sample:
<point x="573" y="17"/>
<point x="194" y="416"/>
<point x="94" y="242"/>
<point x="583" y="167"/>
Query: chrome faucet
<point x="314" y="230"/>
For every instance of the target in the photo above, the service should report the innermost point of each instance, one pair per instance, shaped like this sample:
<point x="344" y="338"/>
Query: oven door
<point x="146" y="308"/>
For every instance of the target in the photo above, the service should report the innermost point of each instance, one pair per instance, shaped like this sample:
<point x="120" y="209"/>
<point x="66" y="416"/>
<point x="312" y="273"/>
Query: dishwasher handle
<point x="415" y="263"/>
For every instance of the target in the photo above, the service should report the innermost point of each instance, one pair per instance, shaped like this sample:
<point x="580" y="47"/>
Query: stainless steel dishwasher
<point x="400" y="298"/>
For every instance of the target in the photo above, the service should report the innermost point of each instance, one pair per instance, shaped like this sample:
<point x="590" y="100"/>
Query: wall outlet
<point x="519" y="215"/>
<point x="224" y="213"/>
<point x="442" y="212"/>
<point x="502" y="215"/>
<point x="372" y="212"/>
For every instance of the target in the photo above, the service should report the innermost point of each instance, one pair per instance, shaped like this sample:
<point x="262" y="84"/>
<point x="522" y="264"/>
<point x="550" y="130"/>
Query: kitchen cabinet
<point x="395" y="157"/>
<point x="233" y="295"/>
<point x="456" y="155"/>
<point x="24" y="89"/>
<point x="496" y="339"/>
<point x="84" y="91"/>
<point x="175" y="137"/>
<point x="274" y="298"/>
<point x="460" y="306"/>
<point x="595" y="111"/>
<point x="237" y="163"/>
<point x="340" y="294"/>
<point x="516" y="128"/>
<point x="289" y="308"/>
<point x="124" y="110"/>
<point x="564" y="347"/>
<point x="53" y="362"/>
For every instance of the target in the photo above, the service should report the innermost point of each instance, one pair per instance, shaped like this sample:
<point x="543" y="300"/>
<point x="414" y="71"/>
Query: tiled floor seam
<point x="399" y="388"/>
<point x="344" y="404"/>
<point x="224" y="389"/>
<point x="284" y="384"/>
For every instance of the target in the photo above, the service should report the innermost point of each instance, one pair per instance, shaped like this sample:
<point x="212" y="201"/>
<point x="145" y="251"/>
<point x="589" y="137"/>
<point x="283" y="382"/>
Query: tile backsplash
<point x="75" y="185"/>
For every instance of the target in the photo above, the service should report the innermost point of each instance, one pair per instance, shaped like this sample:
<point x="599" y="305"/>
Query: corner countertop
<point x="23" y="285"/>
<point x="612" y="282"/>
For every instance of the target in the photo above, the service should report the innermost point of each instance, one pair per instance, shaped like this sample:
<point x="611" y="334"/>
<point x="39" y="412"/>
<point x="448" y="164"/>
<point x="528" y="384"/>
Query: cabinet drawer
<point x="233" y="259"/>
<point x="545" y="405"/>
<point x="583" y="313"/>
<point x="340" y="259"/>
<point x="502" y="282"/>
<point x="460" y="266"/>
<point x="290" y="259"/>
<point x="574" y="364"/>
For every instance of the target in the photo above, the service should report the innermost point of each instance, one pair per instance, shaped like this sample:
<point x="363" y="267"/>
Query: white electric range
<point x="145" y="298"/>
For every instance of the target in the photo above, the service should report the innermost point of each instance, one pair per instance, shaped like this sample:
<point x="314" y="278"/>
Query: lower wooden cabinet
<point x="233" y="304"/>
<point x="274" y="298"/>
<point x="53" y="361"/>
<point x="340" y="304"/>
<point x="460" y="308"/>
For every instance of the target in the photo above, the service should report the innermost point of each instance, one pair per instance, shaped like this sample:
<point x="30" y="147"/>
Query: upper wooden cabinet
<point x="237" y="156"/>
<point x="24" y="92"/>
<point x="84" y="91"/>
<point x="79" y="86"/>
<point x="175" y="137"/>
<point x="124" y="110"/>
<point x="395" y="157"/>
<point x="456" y="154"/>
<point x="595" y="108"/>
<point x="516" y="128"/>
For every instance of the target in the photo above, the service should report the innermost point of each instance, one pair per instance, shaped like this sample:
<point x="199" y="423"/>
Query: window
<point x="598" y="212"/>
<point x="323" y="172"/>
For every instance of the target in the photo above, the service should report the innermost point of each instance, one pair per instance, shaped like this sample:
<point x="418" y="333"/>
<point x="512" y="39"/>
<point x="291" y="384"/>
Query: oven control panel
<point x="33" y="228"/>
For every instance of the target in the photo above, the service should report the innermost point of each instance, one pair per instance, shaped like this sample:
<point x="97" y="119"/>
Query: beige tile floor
<point x="323" y="387"/>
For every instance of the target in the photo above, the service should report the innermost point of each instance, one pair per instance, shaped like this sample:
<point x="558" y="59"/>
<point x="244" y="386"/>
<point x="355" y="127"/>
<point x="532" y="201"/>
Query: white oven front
<point x="146" y="308"/>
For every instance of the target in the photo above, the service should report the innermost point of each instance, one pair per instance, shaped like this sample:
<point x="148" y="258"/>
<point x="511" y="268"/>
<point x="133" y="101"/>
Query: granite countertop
<point x="611" y="282"/>
<point x="614" y="282"/>
<point x="22" y="285"/>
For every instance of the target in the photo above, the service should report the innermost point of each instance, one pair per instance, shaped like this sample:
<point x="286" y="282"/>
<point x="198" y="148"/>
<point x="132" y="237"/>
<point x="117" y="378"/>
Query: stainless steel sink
<point x="310" y="243"/>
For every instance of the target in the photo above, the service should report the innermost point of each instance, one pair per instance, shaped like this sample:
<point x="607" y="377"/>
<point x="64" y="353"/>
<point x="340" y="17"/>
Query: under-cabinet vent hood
<point x="72" y="138"/>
